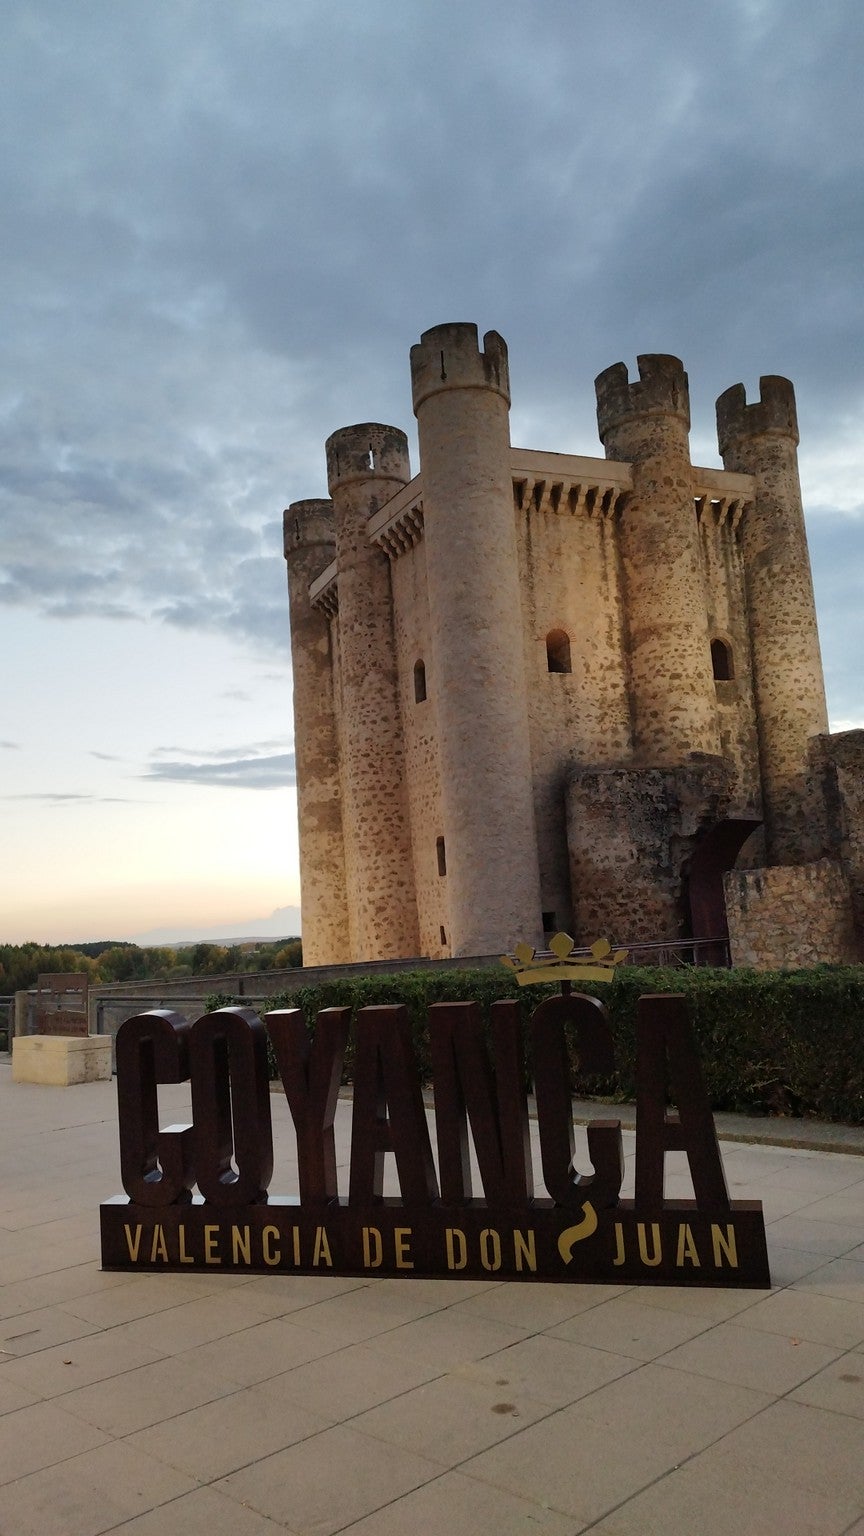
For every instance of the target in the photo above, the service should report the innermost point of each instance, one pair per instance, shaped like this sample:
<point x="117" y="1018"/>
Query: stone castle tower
<point x="536" y="691"/>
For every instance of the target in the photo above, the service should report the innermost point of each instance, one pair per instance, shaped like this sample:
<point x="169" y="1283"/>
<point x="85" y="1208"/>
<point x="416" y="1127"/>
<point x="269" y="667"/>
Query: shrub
<point x="782" y="1042"/>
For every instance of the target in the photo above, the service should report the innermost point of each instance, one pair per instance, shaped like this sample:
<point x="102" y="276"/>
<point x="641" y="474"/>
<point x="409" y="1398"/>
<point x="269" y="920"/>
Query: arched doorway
<point x="714" y="854"/>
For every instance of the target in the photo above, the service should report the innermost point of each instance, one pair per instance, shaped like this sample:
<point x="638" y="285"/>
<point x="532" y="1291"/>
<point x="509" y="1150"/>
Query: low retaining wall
<point x="790" y="916"/>
<point x="61" y="1060"/>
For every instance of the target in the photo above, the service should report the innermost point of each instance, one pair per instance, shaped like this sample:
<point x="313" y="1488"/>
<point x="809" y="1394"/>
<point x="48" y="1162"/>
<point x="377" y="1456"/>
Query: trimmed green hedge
<point x="783" y="1042"/>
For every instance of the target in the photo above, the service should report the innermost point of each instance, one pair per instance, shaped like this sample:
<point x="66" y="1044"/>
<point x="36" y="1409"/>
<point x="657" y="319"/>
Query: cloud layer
<point x="276" y="771"/>
<point x="226" y="225"/>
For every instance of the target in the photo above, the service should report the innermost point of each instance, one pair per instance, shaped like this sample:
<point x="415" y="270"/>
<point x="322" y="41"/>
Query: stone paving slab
<point x="166" y="1405"/>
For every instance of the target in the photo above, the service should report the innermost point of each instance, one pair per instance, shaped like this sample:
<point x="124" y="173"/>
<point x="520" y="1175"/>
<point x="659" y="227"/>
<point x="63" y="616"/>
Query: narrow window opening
<point x="721" y="661"/>
<point x="371" y="460"/>
<point x="549" y="924"/>
<point x="419" y="682"/>
<point x="443" y="937"/>
<point x="558" y="651"/>
<point x="441" y="855"/>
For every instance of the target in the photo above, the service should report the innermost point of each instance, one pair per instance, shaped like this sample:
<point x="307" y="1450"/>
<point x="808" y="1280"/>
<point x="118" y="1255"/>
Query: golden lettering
<point x="322" y="1253"/>
<point x="185" y="1258"/>
<point x="160" y="1247"/>
<point x="241" y="1245"/>
<point x="656" y="1256"/>
<point x="373" y="1248"/>
<point x="686" y="1251"/>
<point x="620" y="1255"/>
<point x="295" y="1244"/>
<point x="401" y="1239"/>
<point x="211" y="1239"/>
<point x="270" y="1254"/>
<point x="490" y="1249"/>
<point x="457" y="1248"/>
<point x="133" y="1247"/>
<point x="724" y="1246"/>
<point x="524" y="1250"/>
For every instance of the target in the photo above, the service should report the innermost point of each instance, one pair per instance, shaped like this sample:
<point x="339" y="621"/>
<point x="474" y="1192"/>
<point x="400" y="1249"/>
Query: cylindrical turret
<point x="761" y="440"/>
<point x="365" y="466"/>
<point x="310" y="544"/>
<point x="489" y="844"/>
<point x="647" y="424"/>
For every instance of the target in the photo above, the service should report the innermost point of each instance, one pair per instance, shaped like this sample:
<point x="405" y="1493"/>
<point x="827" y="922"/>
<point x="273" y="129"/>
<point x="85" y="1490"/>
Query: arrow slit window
<point x="558" y="651"/>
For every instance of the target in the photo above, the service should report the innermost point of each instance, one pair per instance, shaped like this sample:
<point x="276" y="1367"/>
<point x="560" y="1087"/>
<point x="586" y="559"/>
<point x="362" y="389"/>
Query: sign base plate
<point x="675" y="1245"/>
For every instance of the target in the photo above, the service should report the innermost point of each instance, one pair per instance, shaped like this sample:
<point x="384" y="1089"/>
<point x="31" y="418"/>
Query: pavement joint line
<point x="778" y="1397"/>
<point x="782" y="1158"/>
<point x="554" y="1410"/>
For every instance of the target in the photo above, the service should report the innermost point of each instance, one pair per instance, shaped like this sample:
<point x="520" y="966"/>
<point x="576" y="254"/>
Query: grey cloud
<point x="219" y="271"/>
<point x="274" y="772"/>
<point x="837" y="555"/>
<point x="50" y="797"/>
<point x="222" y="754"/>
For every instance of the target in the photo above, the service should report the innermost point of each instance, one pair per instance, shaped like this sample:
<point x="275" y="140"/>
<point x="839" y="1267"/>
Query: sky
<point x="223" y="228"/>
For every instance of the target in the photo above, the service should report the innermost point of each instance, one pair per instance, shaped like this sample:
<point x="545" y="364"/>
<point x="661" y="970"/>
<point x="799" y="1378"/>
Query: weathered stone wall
<point x="420" y="732"/>
<point x="630" y="832"/>
<point x="609" y="793"/>
<point x="726" y="603"/>
<point x="309" y="545"/>
<point x="761" y="440"/>
<point x="569" y="576"/>
<point x="365" y="465"/>
<point x="790" y="915"/>
<point x="647" y="424"/>
<point x="841" y="756"/>
<point x="462" y="399"/>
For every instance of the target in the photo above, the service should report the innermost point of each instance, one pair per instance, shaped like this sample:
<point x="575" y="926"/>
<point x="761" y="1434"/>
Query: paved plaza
<point x="171" y="1405"/>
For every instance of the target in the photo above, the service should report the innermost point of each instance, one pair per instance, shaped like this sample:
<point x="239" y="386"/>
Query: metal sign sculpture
<point x="580" y="1230"/>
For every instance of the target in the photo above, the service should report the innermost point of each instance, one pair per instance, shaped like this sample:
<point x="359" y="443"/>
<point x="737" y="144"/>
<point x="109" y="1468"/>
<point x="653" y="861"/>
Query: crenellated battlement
<point x="306" y="524"/>
<point x="449" y="357"/>
<point x="662" y="389"/>
<point x="367" y="451"/>
<point x="773" y="414"/>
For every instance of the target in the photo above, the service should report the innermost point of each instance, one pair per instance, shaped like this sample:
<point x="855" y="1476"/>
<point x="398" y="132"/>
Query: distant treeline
<point x="113" y="960"/>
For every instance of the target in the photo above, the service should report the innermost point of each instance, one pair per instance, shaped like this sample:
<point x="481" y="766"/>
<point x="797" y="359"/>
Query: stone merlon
<point x="368" y="451"/>
<point x="773" y="414"/>
<point x="309" y="523"/>
<point x="661" y="390"/>
<point x="449" y="357"/>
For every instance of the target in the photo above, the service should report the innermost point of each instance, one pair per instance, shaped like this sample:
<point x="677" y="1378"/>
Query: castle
<point x="535" y="691"/>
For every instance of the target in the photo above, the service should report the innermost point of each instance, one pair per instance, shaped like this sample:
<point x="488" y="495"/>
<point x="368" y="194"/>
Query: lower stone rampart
<point x="630" y="835"/>
<point x="790" y="915"/>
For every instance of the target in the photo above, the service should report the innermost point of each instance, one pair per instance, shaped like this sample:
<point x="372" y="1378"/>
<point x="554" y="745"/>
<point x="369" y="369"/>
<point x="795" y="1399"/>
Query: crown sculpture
<point x="598" y="964"/>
